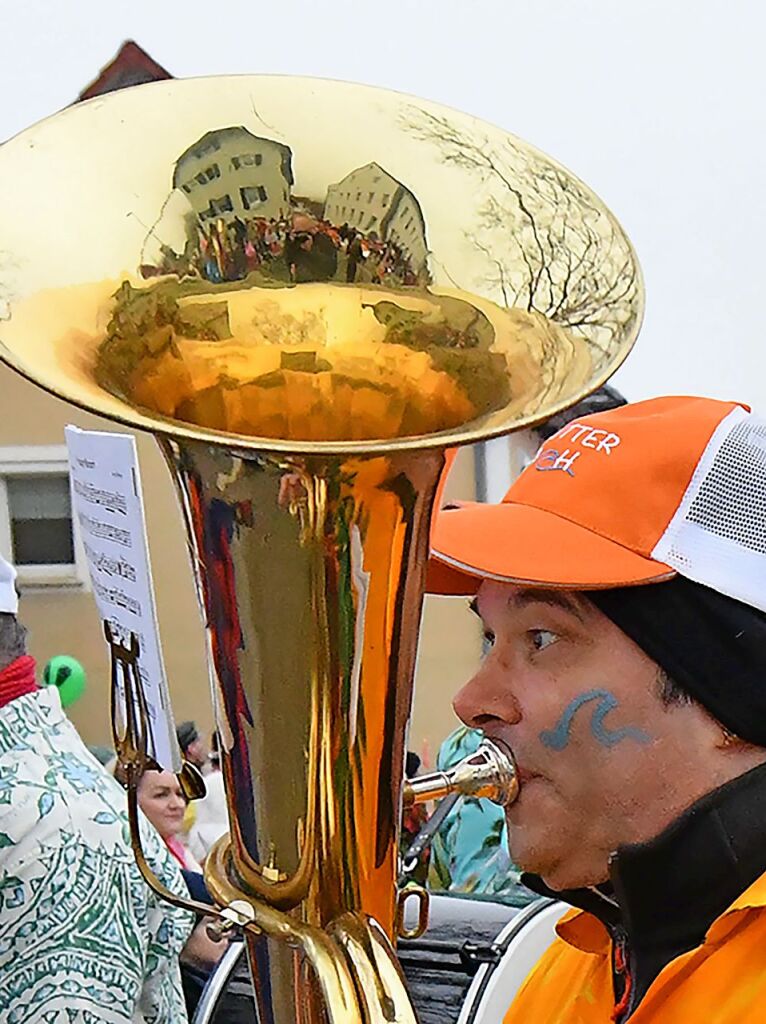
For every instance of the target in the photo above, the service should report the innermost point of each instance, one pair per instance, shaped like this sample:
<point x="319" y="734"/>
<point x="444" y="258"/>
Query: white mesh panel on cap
<point x="718" y="535"/>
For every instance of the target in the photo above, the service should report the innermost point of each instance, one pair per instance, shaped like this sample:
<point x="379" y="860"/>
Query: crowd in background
<point x="299" y="249"/>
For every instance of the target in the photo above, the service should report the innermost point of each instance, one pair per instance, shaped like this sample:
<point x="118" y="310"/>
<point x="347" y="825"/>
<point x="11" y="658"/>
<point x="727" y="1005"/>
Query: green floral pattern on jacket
<point x="83" y="940"/>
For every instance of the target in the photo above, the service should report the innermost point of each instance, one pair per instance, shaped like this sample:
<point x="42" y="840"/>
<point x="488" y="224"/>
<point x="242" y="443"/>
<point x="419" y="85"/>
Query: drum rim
<point x="480" y="982"/>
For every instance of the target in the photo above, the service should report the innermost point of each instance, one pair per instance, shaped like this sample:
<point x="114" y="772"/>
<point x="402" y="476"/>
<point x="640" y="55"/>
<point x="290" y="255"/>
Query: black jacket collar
<point x="663" y="895"/>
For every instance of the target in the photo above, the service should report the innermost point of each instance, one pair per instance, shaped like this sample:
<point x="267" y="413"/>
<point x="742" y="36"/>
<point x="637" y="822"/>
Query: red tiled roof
<point x="131" y="66"/>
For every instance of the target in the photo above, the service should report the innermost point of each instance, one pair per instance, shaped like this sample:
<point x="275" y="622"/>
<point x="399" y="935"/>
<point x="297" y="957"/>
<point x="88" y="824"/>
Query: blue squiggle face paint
<point x="558" y="737"/>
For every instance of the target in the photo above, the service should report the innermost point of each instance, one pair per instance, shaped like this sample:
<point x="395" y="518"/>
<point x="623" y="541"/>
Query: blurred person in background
<point x="211" y="819"/>
<point x="194" y="749"/>
<point x="161" y="799"/>
<point x="193" y="745"/>
<point x="82" y="937"/>
<point x="414" y="818"/>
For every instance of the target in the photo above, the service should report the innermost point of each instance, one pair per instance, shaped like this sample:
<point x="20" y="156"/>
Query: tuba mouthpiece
<point x="488" y="772"/>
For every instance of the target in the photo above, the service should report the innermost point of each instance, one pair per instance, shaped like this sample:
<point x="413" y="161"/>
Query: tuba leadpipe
<point x="308" y="291"/>
<point x="488" y="773"/>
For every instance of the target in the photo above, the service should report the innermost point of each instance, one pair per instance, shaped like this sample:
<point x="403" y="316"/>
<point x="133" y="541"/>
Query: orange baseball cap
<point x="625" y="497"/>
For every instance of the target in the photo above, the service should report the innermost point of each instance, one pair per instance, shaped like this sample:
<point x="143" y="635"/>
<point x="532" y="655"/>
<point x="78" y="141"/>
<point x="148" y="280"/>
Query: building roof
<point x="131" y="66"/>
<point x="373" y="164"/>
<point x="213" y="139"/>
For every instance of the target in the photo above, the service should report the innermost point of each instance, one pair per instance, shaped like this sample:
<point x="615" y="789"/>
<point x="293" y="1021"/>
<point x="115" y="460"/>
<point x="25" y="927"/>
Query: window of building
<point x="221" y="205"/>
<point x="217" y="207"/>
<point x="386" y="198"/>
<point x="358" y="196"/>
<point x="252" y="195"/>
<point x="189" y="186"/>
<point x="371" y="224"/>
<point x="211" y="146"/>
<point x="214" y="171"/>
<point x="36" y="528"/>
<point x="370" y="197"/>
<point x="247" y="160"/>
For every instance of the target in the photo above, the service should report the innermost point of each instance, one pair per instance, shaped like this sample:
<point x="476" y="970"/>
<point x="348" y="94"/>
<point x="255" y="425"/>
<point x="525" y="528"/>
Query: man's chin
<point x="566" y="877"/>
<point x="559" y="871"/>
<point x="529" y="856"/>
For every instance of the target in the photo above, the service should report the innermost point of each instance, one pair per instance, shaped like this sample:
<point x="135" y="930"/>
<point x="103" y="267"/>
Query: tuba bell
<point x="308" y="291"/>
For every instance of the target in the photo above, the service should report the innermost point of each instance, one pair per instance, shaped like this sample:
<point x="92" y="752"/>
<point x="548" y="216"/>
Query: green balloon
<point x="68" y="676"/>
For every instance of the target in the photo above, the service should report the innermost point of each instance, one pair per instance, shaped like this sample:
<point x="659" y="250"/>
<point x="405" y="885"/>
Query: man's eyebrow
<point x="540" y="595"/>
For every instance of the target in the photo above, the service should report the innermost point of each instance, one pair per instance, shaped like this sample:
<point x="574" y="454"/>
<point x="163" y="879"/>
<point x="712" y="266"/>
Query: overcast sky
<point x="657" y="104"/>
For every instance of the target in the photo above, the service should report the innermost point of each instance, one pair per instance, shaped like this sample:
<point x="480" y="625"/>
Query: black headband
<point x="713" y="646"/>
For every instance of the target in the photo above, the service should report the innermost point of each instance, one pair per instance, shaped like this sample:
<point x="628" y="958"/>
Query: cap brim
<point x="528" y="546"/>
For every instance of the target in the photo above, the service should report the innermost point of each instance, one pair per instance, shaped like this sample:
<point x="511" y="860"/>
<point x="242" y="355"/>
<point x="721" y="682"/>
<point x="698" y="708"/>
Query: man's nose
<point x="486" y="697"/>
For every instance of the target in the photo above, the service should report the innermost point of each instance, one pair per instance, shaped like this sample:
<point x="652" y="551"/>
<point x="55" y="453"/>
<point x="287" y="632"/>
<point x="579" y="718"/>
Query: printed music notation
<point x="115" y="596"/>
<point x="108" y="500"/>
<point x="110" y="566"/>
<point x="105" y="531"/>
<point x="106" y="495"/>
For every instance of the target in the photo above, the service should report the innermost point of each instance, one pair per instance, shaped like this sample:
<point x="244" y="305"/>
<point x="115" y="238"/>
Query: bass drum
<point x="518" y="947"/>
<point x="466" y="969"/>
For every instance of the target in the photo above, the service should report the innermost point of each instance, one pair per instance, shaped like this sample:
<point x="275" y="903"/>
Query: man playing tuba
<point x="622" y="586"/>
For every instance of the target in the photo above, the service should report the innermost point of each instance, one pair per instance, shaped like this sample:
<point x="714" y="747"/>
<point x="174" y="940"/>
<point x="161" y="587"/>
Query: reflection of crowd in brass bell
<point x="242" y="220"/>
<point x="297" y="251"/>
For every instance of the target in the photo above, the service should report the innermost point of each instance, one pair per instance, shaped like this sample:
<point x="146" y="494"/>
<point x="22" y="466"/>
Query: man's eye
<point x="542" y="638"/>
<point x="489" y="638"/>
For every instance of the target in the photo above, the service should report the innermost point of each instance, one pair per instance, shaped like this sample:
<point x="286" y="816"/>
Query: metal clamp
<point x="411" y="890"/>
<point x="474" y="954"/>
<point x="238" y="914"/>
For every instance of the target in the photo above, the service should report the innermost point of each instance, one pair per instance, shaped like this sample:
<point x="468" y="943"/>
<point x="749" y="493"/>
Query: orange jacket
<point x="723" y="981"/>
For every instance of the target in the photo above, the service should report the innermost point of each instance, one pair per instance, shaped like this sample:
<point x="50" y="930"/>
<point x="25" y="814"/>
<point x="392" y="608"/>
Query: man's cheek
<point x="606" y="726"/>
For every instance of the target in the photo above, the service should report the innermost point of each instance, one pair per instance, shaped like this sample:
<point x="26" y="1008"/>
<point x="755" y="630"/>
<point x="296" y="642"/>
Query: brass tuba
<point x="308" y="291"/>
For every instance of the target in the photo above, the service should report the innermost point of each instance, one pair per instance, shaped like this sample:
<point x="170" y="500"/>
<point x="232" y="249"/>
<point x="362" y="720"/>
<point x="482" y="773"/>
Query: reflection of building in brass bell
<point x="343" y="267"/>
<point x="385" y="209"/>
<point x="230" y="173"/>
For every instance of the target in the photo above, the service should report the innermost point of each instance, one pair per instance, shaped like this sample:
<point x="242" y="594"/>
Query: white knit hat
<point x="9" y="599"/>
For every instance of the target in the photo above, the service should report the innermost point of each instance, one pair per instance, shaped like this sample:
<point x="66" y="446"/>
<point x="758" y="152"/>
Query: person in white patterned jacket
<point x="83" y="940"/>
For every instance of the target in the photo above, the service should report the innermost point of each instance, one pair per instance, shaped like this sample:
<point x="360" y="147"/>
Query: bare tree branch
<point x="546" y="244"/>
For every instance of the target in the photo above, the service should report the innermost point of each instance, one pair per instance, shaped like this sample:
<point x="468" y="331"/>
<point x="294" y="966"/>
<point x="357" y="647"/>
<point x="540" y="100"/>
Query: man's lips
<point x="523" y="774"/>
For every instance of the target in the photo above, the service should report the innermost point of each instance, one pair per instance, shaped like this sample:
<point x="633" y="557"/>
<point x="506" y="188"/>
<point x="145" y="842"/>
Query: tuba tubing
<point x="308" y="291"/>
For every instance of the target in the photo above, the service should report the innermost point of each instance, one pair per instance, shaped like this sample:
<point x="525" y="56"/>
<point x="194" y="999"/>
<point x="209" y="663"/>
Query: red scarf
<point x="178" y="850"/>
<point x="17" y="679"/>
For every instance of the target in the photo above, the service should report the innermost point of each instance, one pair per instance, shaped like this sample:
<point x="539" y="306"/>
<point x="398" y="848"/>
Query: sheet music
<point x="106" y="501"/>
